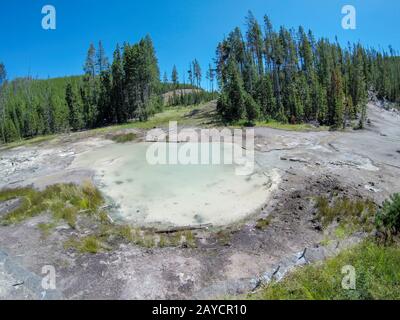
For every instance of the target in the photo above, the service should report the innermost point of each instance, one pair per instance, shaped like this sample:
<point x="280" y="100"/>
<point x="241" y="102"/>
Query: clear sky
<point x="181" y="29"/>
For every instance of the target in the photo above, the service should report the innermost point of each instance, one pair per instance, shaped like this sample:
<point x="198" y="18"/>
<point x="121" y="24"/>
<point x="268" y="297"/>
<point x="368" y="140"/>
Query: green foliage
<point x="181" y="97"/>
<point x="68" y="202"/>
<point x="3" y="74"/>
<point x="388" y="218"/>
<point x="232" y="101"/>
<point x="359" y="212"/>
<point x="122" y="138"/>
<point x="252" y="109"/>
<point x="294" y="78"/>
<point x="377" y="277"/>
<point x="64" y="201"/>
<point x="31" y="108"/>
<point x="46" y="228"/>
<point x="88" y="244"/>
<point x="128" y="89"/>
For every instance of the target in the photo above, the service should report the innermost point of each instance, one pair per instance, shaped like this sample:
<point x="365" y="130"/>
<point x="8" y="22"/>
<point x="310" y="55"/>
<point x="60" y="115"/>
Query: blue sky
<point x="181" y="29"/>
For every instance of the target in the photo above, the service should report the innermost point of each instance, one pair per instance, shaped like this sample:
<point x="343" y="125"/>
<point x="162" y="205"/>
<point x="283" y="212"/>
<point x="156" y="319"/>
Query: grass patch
<point x="262" y="224"/>
<point x="88" y="244"/>
<point x="46" y="228"/>
<point x="302" y="127"/>
<point x="348" y="213"/>
<point x="123" y="138"/>
<point x="377" y="270"/>
<point x="184" y="115"/>
<point x="27" y="142"/>
<point x="64" y="201"/>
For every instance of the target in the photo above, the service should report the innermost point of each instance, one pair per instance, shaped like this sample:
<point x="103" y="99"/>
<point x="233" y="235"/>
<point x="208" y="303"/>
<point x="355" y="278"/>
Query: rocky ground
<point x="233" y="260"/>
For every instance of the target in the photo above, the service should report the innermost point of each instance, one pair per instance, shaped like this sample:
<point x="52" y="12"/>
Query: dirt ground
<point x="235" y="260"/>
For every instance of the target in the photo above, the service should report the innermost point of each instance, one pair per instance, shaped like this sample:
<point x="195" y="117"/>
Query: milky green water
<point x="177" y="195"/>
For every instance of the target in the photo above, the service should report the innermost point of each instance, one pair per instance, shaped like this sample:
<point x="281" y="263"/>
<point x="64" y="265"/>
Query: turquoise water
<point x="179" y="194"/>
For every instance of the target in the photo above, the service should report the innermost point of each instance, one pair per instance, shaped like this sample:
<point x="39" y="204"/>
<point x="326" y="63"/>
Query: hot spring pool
<point x="178" y="195"/>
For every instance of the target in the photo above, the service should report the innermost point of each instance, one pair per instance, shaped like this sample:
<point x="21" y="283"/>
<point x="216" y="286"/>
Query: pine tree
<point x="90" y="63"/>
<point x="255" y="43"/>
<point x="336" y="100"/>
<point x="3" y="74"/>
<point x="210" y="77"/>
<point x="174" y="77"/>
<point x="265" y="97"/>
<point x="191" y="75"/>
<point x="75" y="118"/>
<point x="197" y="73"/>
<point x="117" y="88"/>
<point x="106" y="113"/>
<point x="252" y="109"/>
<point x="232" y="103"/>
<point x="101" y="59"/>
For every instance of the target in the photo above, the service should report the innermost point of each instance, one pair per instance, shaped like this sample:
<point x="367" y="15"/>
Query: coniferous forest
<point x="263" y="74"/>
<point x="108" y="93"/>
<point x="289" y="76"/>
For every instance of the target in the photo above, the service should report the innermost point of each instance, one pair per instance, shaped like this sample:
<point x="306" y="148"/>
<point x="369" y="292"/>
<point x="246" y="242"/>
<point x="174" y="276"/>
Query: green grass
<point x="290" y="127"/>
<point x="350" y="214"/>
<point x="46" y="228"/>
<point x="123" y="138"/>
<point x="64" y="201"/>
<point x="302" y="127"/>
<point x="263" y="224"/>
<point x="377" y="277"/>
<point x="88" y="244"/>
<point x="27" y="142"/>
<point x="196" y="115"/>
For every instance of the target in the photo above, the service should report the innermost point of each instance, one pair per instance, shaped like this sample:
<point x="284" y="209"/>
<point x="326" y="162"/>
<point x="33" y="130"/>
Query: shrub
<point x="388" y="218"/>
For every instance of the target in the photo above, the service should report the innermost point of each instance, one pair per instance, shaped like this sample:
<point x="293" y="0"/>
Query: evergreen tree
<point x="255" y="43"/>
<point x="3" y="74"/>
<point x="174" y="76"/>
<point x="197" y="73"/>
<point x="75" y="117"/>
<point x="90" y="63"/>
<point x="310" y="80"/>
<point x="336" y="100"/>
<point x="252" y="109"/>
<point x="101" y="59"/>
<point x="117" y="88"/>
<point x="191" y="75"/>
<point x="265" y="97"/>
<point x="106" y="112"/>
<point x="210" y="77"/>
<point x="232" y="102"/>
